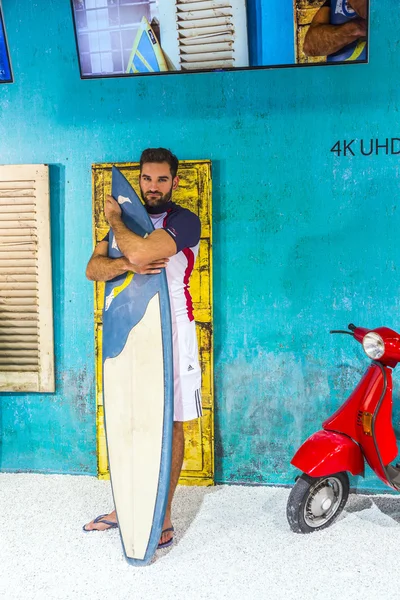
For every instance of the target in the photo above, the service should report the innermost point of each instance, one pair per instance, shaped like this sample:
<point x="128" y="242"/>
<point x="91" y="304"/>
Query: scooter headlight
<point x="373" y="345"/>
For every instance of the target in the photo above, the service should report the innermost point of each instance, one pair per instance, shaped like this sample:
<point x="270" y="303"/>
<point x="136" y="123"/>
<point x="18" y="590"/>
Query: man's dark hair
<point x="160" y="155"/>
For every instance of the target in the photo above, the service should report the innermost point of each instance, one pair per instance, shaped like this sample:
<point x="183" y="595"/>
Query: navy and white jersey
<point x="184" y="228"/>
<point x="342" y="12"/>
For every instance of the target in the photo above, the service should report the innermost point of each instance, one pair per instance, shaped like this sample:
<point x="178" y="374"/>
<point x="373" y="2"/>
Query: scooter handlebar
<point x="341" y="331"/>
<point x="349" y="326"/>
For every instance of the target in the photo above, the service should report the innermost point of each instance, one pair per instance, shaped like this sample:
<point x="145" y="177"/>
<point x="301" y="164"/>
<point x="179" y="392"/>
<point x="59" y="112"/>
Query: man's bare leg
<point x="178" y="448"/>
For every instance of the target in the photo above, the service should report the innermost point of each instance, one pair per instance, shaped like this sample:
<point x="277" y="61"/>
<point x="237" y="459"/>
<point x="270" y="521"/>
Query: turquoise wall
<point x="304" y="240"/>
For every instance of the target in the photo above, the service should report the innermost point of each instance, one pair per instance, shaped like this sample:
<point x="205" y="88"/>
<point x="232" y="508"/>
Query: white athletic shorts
<point x="187" y="372"/>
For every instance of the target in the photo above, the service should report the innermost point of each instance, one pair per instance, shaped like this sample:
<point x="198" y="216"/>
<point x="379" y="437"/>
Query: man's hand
<point x="150" y="269"/>
<point x="102" y="268"/>
<point x="360" y="28"/>
<point x="112" y="210"/>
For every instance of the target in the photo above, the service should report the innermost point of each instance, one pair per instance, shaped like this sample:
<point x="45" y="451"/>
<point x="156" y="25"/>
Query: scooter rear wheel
<point x="316" y="502"/>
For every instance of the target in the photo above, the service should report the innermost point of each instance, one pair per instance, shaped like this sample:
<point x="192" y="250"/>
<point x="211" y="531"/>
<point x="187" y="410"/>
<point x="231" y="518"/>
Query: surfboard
<point x="138" y="390"/>
<point x="146" y="55"/>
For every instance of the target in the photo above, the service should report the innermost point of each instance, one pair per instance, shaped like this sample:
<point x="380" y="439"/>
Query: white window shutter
<point x="26" y="304"/>
<point x="204" y="34"/>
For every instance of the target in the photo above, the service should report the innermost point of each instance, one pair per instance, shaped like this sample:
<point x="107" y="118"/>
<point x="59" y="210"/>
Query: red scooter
<point x="360" y="430"/>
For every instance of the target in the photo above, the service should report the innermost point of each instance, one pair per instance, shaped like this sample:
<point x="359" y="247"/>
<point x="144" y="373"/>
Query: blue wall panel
<point x="304" y="240"/>
<point x="271" y="32"/>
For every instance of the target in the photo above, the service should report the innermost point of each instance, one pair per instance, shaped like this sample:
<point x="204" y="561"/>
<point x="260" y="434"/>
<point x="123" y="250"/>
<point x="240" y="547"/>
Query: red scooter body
<point x="361" y="429"/>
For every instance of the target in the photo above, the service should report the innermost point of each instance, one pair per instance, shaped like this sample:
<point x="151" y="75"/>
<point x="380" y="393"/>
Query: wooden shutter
<point x="204" y="34"/>
<point x="26" y="307"/>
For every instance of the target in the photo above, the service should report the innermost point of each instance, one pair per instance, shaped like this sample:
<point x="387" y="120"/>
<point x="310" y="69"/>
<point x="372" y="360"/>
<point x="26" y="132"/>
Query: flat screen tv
<point x="118" y="38"/>
<point x="5" y="66"/>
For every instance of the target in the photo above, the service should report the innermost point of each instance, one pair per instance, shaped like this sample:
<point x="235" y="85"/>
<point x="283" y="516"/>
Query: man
<point x="173" y="245"/>
<point x="338" y="31"/>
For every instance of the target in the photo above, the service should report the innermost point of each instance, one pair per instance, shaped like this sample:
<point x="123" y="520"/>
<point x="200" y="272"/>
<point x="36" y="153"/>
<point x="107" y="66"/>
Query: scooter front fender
<point x="327" y="452"/>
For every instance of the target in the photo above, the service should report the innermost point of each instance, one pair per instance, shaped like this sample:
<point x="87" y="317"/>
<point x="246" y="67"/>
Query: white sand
<point x="232" y="542"/>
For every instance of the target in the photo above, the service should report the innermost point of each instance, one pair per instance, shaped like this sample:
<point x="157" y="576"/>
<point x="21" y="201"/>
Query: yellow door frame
<point x="194" y="192"/>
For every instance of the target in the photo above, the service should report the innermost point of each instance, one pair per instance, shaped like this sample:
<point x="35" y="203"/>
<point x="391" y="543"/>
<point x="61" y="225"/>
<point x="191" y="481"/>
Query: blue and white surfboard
<point x="138" y="390"/>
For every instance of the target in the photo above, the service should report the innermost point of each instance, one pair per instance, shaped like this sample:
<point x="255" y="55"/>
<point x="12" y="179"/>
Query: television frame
<point x="7" y="53"/>
<point x="216" y="70"/>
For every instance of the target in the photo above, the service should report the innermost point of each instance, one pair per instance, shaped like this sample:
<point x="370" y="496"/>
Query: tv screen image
<point x="137" y="37"/>
<point x="5" y="66"/>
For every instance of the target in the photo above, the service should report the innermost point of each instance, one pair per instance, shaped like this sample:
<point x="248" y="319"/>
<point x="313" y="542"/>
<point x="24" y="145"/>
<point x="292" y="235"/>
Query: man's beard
<point x="154" y="199"/>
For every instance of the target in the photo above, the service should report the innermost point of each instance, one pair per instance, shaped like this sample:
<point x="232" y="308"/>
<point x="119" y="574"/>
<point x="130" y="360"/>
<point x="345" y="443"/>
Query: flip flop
<point x="100" y="519"/>
<point x="166" y="544"/>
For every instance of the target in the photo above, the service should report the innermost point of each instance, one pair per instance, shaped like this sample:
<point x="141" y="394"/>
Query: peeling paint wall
<point x="304" y="240"/>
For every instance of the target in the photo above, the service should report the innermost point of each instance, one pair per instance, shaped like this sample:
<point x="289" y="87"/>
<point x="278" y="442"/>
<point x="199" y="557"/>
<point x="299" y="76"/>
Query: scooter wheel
<point x="316" y="502"/>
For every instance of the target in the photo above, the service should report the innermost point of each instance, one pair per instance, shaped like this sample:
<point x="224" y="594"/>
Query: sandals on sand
<point x="166" y="544"/>
<point x="100" y="519"/>
<point x="113" y="525"/>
